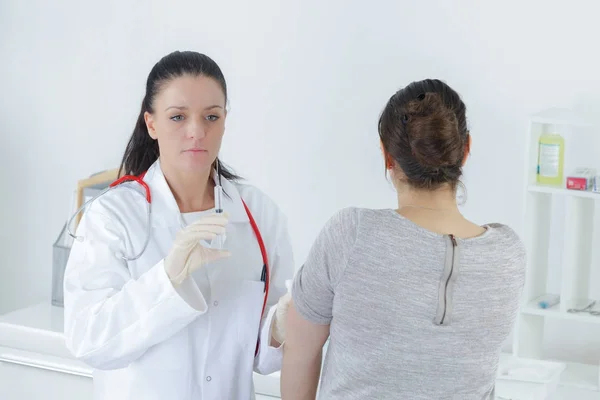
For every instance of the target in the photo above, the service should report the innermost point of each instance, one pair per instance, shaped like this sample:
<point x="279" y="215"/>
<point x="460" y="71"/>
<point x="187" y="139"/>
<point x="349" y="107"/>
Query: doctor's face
<point x="188" y="120"/>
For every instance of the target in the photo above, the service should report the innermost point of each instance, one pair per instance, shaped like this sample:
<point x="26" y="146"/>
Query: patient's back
<point x="414" y="314"/>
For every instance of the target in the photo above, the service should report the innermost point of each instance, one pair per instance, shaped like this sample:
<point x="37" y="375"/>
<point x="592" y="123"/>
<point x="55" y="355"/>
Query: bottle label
<point x="549" y="160"/>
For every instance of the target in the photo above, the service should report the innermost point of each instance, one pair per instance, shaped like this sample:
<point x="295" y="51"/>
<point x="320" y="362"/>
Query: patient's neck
<point x="436" y="211"/>
<point x="442" y="199"/>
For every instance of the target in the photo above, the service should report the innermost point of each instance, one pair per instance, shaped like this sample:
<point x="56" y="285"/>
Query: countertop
<point x="34" y="336"/>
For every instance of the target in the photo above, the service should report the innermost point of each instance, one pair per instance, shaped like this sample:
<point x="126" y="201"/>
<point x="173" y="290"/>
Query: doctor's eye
<point x="212" y="118"/>
<point x="177" y="118"/>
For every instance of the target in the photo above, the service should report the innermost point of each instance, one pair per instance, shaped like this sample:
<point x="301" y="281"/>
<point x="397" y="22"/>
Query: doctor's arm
<point x="270" y="354"/>
<point x="111" y="319"/>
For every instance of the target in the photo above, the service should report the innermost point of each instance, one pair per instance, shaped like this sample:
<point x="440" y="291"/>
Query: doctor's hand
<point x="187" y="253"/>
<point x="283" y="305"/>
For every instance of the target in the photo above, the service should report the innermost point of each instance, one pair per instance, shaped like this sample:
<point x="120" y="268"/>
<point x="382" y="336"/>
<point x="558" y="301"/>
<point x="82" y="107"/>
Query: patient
<point x="416" y="301"/>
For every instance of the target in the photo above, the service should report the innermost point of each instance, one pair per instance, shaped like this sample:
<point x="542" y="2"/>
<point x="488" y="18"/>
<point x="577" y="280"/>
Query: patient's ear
<point x="467" y="149"/>
<point x="387" y="159"/>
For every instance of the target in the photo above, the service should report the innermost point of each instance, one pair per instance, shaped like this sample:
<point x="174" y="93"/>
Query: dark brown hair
<point x="423" y="127"/>
<point x="142" y="150"/>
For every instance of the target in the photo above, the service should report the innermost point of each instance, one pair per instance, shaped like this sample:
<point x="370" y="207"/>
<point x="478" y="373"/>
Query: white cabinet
<point x="19" y="381"/>
<point x="22" y="378"/>
<point x="36" y="382"/>
<point x="35" y="364"/>
<point x="547" y="208"/>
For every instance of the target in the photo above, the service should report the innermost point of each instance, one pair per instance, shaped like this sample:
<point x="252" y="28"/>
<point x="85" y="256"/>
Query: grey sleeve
<point x="315" y="282"/>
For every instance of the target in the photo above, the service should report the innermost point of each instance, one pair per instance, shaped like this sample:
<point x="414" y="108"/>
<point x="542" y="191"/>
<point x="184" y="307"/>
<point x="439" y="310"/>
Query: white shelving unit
<point x="580" y="244"/>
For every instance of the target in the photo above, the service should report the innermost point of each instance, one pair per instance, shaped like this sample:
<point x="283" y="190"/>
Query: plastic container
<point x="548" y="301"/>
<point x="551" y="155"/>
<point x="596" y="184"/>
<point x="528" y="379"/>
<point x="61" y="249"/>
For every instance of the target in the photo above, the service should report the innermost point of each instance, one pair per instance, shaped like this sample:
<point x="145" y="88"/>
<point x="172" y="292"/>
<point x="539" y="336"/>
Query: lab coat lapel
<point x="232" y="201"/>
<point x="165" y="211"/>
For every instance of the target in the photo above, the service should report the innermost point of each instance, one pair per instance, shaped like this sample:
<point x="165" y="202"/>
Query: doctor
<point x="183" y="320"/>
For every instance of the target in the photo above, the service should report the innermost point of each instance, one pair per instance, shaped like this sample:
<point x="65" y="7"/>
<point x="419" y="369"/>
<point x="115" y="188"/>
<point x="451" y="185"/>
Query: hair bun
<point x="433" y="133"/>
<point x="423" y="127"/>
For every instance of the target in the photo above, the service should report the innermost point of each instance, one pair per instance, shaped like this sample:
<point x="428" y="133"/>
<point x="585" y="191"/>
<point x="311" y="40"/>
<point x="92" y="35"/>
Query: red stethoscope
<point x="265" y="274"/>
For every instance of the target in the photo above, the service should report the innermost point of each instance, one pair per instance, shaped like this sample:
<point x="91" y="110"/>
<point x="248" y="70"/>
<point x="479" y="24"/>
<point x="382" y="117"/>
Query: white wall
<point x="307" y="81"/>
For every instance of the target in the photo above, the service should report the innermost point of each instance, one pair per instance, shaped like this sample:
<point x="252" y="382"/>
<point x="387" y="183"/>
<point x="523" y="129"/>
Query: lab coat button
<point x="216" y="303"/>
<point x="208" y="379"/>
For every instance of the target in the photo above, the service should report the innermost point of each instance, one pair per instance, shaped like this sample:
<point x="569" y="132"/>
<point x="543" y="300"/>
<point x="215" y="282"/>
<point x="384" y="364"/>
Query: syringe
<point x="219" y="240"/>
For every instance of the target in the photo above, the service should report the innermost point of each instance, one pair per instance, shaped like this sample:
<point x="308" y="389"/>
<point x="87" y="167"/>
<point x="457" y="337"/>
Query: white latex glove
<point x="188" y="254"/>
<point x="280" y="314"/>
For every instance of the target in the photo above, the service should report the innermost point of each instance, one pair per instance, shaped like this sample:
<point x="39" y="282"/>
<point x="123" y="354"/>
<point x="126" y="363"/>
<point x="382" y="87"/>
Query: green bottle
<point x="551" y="155"/>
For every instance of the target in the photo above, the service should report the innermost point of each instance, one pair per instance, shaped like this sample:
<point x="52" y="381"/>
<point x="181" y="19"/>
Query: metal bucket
<point x="62" y="248"/>
<point x="60" y="255"/>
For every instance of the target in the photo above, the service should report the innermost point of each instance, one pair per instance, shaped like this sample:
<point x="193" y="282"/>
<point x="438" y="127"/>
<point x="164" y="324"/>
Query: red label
<point x="577" y="183"/>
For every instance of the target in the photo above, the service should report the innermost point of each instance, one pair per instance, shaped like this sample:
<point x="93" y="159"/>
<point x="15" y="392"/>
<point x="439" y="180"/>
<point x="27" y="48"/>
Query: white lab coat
<point x="147" y="340"/>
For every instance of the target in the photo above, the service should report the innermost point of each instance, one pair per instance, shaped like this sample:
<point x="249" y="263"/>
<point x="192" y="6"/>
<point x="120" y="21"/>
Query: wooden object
<point x="104" y="177"/>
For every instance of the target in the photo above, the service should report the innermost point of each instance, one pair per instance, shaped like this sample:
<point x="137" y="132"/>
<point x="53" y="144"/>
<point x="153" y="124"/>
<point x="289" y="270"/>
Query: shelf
<point x="575" y="375"/>
<point x="555" y="312"/>
<point x="581" y="376"/>
<point x="563" y="192"/>
<point x="561" y="236"/>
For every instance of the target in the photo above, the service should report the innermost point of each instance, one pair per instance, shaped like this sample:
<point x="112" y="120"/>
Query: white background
<point x="307" y="80"/>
